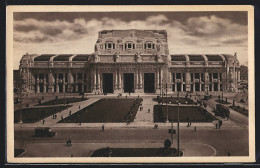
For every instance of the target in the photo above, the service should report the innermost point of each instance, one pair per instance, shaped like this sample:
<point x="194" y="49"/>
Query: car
<point x="44" y="132"/>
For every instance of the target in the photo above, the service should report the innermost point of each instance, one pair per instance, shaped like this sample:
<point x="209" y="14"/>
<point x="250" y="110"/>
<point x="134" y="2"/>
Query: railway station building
<point x="129" y="61"/>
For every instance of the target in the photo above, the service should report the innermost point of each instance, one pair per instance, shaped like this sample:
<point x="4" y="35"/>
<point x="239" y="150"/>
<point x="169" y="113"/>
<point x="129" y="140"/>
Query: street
<point x="205" y="141"/>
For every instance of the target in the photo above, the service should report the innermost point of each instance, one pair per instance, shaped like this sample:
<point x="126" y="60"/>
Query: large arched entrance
<point x="128" y="82"/>
<point x="107" y="82"/>
<point x="149" y="83"/>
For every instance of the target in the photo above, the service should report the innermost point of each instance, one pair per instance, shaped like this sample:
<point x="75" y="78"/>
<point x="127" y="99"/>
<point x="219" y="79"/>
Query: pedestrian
<point x="55" y="116"/>
<point x="195" y="128"/>
<point x="103" y="128"/>
<point x="190" y="123"/>
<point x="70" y="112"/>
<point x="229" y="154"/>
<point x="70" y="142"/>
<point x="125" y="96"/>
<point x="216" y="125"/>
<point x="43" y="121"/>
<point x="148" y="110"/>
<point x="79" y="107"/>
<point x="61" y="117"/>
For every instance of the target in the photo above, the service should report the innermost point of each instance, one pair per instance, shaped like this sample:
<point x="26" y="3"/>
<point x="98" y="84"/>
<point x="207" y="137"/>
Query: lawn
<point x="240" y="110"/>
<point x="187" y="113"/>
<point x="62" y="101"/>
<point x="134" y="152"/>
<point x="31" y="115"/>
<point x="106" y="110"/>
<point x="173" y="100"/>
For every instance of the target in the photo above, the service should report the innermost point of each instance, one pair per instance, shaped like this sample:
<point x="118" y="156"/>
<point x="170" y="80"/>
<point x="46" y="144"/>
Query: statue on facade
<point x="117" y="57"/>
<point x="159" y="57"/>
<point x="138" y="57"/>
<point x="97" y="58"/>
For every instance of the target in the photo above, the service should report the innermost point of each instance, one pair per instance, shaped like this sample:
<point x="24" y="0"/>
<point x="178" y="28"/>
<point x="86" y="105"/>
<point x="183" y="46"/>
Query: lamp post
<point x="178" y="140"/>
<point x="166" y="103"/>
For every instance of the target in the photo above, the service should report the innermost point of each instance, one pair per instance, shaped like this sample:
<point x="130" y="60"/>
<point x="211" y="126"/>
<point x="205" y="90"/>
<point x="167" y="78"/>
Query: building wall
<point x="129" y="51"/>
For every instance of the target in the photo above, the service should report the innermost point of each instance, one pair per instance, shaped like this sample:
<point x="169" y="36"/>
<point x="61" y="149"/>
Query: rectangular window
<point x="215" y="75"/>
<point x="149" y="45"/>
<point x="184" y="87"/>
<point x="202" y="77"/>
<point x="183" y="77"/>
<point x="47" y="78"/>
<point x="221" y="87"/>
<point x="60" y="76"/>
<point x="210" y="77"/>
<point x="191" y="77"/>
<point x="109" y="46"/>
<point x="66" y="77"/>
<point x="129" y="46"/>
<point x="202" y="87"/>
<point x="173" y="77"/>
<point x="197" y="75"/>
<point x="191" y="88"/>
<point x="173" y="87"/>
<point x="133" y="46"/>
<point x="178" y="75"/>
<point x="80" y="76"/>
<point x="220" y="77"/>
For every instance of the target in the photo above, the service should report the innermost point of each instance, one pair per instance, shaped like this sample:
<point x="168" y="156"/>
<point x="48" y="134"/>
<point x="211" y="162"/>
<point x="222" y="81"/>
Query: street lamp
<point x="178" y="140"/>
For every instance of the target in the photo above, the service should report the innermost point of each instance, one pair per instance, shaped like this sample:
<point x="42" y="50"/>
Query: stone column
<point x="116" y="79"/>
<point x="206" y="79"/>
<point x="137" y="79"/>
<point x="44" y="83"/>
<point x="98" y="79"/>
<point x="238" y="76"/>
<point x="188" y="81"/>
<point x="95" y="79"/>
<point x="57" y="83"/>
<point x="161" y="79"/>
<point x="158" y="79"/>
<point x="141" y="79"/>
<point x="76" y="83"/>
<point x="38" y="87"/>
<point x="70" y="81"/>
<point x="119" y="79"/>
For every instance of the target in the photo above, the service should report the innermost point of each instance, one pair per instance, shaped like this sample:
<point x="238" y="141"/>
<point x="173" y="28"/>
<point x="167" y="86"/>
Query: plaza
<point x="116" y="97"/>
<point x="140" y="133"/>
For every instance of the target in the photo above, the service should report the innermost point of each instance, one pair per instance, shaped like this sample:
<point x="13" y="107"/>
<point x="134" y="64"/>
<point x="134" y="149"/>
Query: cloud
<point x="205" y="34"/>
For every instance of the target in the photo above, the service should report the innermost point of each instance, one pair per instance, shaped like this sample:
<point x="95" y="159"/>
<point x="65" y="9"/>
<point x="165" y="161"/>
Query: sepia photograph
<point x="130" y="84"/>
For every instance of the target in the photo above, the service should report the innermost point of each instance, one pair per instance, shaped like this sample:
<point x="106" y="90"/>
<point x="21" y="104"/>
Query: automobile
<point x="44" y="132"/>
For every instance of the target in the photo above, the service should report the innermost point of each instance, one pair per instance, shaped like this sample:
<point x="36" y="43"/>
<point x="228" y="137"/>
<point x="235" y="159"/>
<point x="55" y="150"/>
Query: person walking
<point x="43" y="121"/>
<point x="103" y="128"/>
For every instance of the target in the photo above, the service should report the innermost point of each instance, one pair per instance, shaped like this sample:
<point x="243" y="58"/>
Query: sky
<point x="77" y="32"/>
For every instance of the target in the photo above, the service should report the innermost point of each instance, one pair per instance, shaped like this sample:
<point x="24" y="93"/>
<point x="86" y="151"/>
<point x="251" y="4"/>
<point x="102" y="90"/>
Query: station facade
<point x="129" y="61"/>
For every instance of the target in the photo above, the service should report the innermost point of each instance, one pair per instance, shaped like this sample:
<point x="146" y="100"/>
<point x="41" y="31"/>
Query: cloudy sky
<point x="76" y="33"/>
